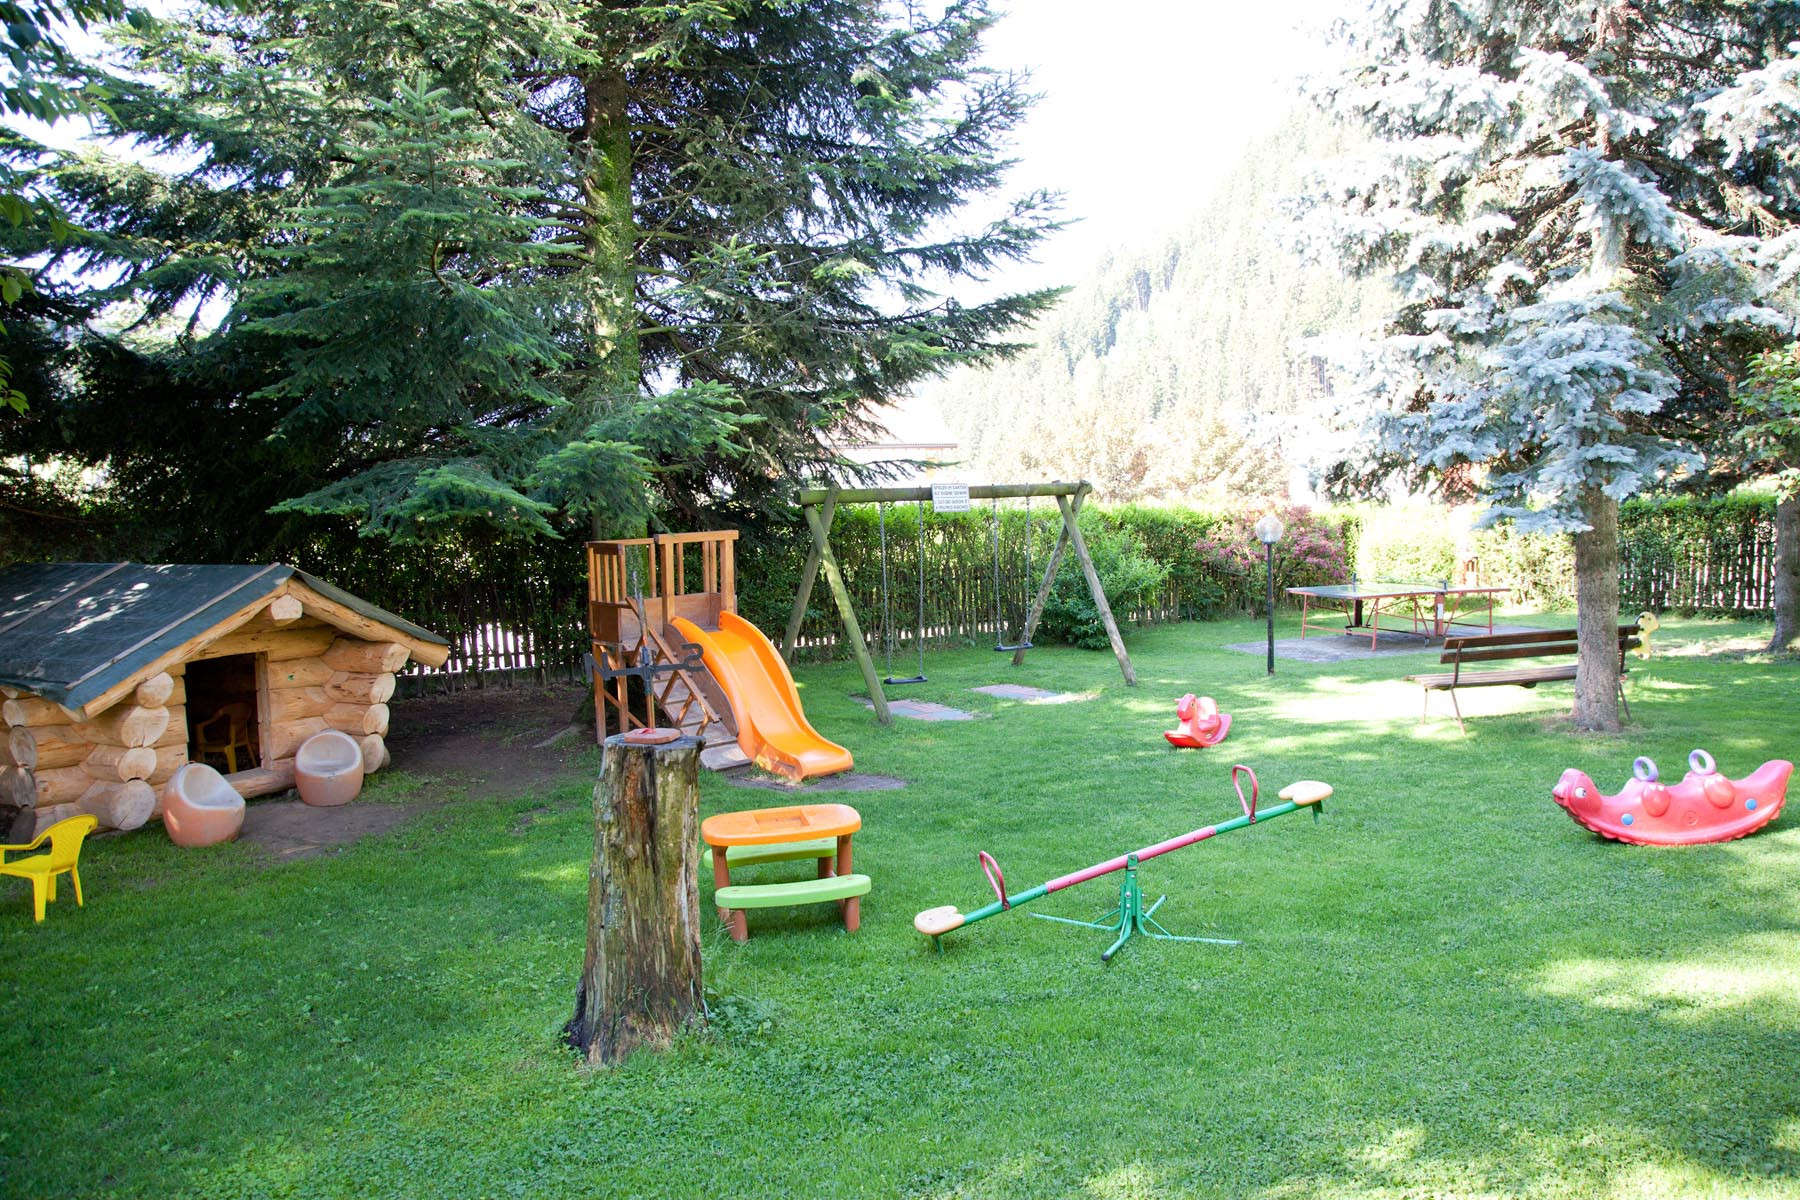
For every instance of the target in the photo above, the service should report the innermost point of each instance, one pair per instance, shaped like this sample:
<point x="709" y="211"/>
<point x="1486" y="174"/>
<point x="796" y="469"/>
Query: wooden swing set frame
<point x="819" y="505"/>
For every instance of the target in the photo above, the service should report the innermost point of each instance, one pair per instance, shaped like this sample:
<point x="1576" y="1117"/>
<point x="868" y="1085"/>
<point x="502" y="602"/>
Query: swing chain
<point x="1000" y="642"/>
<point x="887" y="617"/>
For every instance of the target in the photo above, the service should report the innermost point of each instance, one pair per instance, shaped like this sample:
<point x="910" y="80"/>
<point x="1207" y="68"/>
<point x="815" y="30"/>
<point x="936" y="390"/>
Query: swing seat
<point x="1002" y="647"/>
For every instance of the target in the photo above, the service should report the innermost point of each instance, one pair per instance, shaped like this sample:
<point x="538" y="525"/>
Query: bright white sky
<point x="1146" y="104"/>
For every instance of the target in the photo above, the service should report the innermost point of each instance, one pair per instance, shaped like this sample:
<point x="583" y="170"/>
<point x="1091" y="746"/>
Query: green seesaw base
<point x="1132" y="917"/>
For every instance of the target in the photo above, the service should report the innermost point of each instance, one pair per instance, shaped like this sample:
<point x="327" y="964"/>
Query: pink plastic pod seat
<point x="200" y="808"/>
<point x="329" y="769"/>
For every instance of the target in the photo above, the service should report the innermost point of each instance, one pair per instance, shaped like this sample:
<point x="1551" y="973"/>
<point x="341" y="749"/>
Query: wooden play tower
<point x="636" y="588"/>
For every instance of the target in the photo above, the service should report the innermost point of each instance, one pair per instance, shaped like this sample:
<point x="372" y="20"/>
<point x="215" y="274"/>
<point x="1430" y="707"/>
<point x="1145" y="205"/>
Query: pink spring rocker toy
<point x="1704" y="807"/>
<point x="1202" y="724"/>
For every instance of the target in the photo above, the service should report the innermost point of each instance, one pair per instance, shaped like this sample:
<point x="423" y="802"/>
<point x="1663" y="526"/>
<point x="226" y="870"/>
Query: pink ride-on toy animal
<point x="200" y="808"/>
<point x="328" y="770"/>
<point x="1202" y="724"/>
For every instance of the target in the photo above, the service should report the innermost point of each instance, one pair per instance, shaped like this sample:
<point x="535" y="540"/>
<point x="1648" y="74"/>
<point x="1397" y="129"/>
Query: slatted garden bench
<point x="1551" y="643"/>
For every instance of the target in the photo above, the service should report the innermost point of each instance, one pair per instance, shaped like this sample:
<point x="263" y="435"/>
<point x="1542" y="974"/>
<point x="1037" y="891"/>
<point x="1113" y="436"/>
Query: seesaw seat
<point x="1305" y="791"/>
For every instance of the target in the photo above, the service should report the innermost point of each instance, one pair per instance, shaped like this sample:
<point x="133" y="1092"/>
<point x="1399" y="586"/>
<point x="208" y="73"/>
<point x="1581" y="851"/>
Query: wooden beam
<point x="811" y="497"/>
<point x="284" y="608"/>
<point x="432" y="654"/>
<point x="1098" y="592"/>
<point x="281" y="643"/>
<point x="852" y="629"/>
<point x="808" y="575"/>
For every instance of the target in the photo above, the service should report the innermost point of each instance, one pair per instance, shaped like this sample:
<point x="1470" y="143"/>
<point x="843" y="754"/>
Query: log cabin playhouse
<point x="110" y="670"/>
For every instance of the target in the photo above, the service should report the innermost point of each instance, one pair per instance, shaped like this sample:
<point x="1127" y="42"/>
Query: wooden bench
<point x="1460" y="651"/>
<point x="846" y="889"/>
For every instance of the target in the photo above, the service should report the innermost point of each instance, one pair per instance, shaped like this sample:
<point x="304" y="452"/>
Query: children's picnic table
<point x="761" y="835"/>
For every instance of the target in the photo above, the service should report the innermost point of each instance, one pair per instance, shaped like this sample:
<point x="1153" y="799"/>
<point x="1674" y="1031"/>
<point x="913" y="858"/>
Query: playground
<point x="1444" y="985"/>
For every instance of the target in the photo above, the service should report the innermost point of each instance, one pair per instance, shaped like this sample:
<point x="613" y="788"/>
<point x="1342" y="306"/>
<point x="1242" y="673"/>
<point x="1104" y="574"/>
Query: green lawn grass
<point x="1446" y="988"/>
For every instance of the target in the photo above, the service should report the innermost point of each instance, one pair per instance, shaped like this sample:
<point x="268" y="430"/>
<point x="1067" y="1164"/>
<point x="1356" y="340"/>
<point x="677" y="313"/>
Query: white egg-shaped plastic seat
<point x="329" y="769"/>
<point x="200" y="808"/>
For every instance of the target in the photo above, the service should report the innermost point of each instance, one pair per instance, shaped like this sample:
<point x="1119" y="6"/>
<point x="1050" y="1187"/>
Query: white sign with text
<point x="950" y="497"/>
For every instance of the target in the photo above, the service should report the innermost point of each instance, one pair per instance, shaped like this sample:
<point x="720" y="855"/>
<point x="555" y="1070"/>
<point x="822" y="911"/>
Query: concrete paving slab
<point x="1031" y="695"/>
<point x="920" y="710"/>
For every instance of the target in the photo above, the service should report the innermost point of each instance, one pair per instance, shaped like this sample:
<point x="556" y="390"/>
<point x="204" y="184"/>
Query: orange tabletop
<point x="767" y="826"/>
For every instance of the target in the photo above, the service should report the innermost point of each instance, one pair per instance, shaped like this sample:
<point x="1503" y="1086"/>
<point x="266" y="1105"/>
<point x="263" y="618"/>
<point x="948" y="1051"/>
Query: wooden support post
<point x="1043" y="593"/>
<point x="852" y="628"/>
<point x="640" y="980"/>
<point x="1099" y="593"/>
<point x="815" y="554"/>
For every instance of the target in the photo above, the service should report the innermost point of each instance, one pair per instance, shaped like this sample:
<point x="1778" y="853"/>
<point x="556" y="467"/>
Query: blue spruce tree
<point x="1589" y="233"/>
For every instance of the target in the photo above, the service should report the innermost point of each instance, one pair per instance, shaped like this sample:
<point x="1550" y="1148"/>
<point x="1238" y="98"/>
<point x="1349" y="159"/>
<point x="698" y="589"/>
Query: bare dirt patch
<point x="493" y="741"/>
<point x="289" y="829"/>
<point x="483" y="742"/>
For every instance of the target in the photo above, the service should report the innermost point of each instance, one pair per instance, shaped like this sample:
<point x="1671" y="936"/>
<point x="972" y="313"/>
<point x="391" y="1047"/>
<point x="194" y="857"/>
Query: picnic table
<point x="1430" y="609"/>
<point x="796" y="832"/>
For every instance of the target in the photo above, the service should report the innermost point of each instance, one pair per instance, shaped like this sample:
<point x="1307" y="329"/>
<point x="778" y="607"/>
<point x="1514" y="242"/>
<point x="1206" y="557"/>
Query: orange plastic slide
<point x="772" y="729"/>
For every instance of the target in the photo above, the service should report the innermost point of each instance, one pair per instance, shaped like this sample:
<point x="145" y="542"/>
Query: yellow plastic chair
<point x="65" y="838"/>
<point x="224" y="734"/>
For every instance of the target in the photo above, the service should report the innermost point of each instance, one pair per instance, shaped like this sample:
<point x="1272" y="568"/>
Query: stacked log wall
<point x="361" y="684"/>
<point x="102" y="766"/>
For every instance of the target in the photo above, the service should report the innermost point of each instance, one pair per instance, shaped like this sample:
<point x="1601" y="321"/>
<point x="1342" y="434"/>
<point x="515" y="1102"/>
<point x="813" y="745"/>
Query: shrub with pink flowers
<point x="1313" y="550"/>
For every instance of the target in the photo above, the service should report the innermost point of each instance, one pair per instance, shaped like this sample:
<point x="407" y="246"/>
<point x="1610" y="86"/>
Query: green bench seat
<point x="750" y="856"/>
<point x="799" y="891"/>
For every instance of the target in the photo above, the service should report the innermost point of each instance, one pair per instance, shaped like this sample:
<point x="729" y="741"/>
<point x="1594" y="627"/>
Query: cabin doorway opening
<point x="225" y="719"/>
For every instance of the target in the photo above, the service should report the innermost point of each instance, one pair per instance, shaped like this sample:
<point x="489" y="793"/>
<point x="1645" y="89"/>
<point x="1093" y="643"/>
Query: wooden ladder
<point x="683" y="702"/>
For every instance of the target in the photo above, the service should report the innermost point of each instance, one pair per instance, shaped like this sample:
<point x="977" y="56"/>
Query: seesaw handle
<point x="991" y="869"/>
<point x="1249" y="806"/>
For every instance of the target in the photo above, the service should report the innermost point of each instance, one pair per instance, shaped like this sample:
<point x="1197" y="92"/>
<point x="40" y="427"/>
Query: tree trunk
<point x="640" y="981"/>
<point x="1787" y="573"/>
<point x="610" y="248"/>
<point x="1597" y="614"/>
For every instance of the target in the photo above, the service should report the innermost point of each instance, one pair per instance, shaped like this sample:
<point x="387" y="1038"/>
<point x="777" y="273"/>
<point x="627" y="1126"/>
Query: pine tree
<point x="34" y="43"/>
<point x="1554" y="195"/>
<point x="727" y="224"/>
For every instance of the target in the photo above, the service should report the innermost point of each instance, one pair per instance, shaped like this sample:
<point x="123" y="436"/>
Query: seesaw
<point x="1130" y="916"/>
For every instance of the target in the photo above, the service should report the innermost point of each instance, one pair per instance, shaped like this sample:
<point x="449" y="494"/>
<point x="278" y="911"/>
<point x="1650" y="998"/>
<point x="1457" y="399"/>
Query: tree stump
<point x="640" y="980"/>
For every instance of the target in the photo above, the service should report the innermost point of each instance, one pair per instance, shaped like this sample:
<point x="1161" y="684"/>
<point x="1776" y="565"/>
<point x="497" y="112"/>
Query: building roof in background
<point x="77" y="634"/>
<point x="911" y="423"/>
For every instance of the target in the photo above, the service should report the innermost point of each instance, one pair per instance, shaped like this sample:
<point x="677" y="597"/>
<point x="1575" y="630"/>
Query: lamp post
<point x="1268" y="532"/>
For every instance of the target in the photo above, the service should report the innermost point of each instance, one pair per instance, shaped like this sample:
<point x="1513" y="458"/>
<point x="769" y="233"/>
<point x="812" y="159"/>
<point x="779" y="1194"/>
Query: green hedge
<point x="513" y="608"/>
<point x="1145" y="557"/>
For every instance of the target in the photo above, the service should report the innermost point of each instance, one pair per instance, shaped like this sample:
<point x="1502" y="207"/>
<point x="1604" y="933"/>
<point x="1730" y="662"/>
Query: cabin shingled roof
<point x="70" y="632"/>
